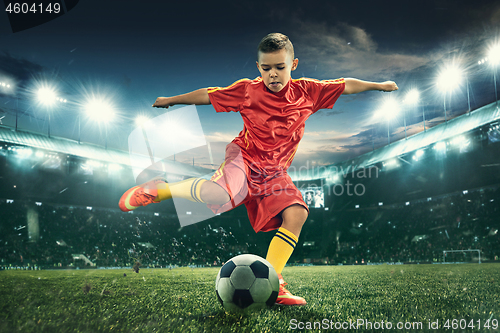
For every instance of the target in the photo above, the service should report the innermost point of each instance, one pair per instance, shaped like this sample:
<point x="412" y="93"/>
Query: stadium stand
<point x="437" y="190"/>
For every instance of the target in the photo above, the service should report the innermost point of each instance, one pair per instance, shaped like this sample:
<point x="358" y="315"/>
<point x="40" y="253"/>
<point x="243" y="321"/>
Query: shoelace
<point x="143" y="198"/>
<point x="282" y="287"/>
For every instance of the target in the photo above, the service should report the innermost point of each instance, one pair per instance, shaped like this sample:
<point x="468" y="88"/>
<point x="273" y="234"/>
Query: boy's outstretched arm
<point x="197" y="97"/>
<point x="354" y="86"/>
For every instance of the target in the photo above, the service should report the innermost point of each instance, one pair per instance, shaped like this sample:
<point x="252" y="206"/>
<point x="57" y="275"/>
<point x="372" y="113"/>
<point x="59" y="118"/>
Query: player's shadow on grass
<point x="229" y="319"/>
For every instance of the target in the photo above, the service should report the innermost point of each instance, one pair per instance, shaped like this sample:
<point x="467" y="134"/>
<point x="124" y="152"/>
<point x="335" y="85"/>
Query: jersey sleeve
<point x="324" y="93"/>
<point x="230" y="98"/>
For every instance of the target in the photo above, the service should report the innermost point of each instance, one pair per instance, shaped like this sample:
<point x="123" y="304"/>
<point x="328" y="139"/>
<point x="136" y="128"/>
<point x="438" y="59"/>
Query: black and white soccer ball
<point x="247" y="283"/>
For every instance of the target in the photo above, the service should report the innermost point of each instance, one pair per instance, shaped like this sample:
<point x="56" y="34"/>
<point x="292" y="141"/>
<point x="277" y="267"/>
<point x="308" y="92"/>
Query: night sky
<point x="132" y="53"/>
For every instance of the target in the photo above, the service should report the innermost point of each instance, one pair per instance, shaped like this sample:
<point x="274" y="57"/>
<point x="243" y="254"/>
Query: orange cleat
<point x="141" y="195"/>
<point x="285" y="297"/>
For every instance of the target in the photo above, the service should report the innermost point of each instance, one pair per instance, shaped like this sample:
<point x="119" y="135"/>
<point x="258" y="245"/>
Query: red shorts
<point x="264" y="196"/>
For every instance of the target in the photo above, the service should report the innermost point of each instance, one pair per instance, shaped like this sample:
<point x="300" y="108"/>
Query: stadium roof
<point x="453" y="127"/>
<point x="91" y="151"/>
<point x="462" y="124"/>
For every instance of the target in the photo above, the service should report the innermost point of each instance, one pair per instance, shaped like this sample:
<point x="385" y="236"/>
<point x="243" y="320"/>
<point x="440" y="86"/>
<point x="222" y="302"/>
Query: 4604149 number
<point x="472" y="324"/>
<point x="36" y="8"/>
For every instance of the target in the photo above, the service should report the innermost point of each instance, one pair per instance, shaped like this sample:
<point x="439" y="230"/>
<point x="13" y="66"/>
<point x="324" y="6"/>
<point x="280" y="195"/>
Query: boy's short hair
<point x="273" y="42"/>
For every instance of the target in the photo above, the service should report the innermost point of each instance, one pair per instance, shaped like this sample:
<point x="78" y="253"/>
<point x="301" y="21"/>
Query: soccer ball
<point x="246" y="283"/>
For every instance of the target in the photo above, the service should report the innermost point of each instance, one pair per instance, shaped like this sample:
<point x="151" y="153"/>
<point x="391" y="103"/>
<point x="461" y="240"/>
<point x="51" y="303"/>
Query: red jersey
<point x="274" y="122"/>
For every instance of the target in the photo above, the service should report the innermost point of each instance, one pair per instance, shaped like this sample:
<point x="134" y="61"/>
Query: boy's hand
<point x="388" y="86"/>
<point x="163" y="102"/>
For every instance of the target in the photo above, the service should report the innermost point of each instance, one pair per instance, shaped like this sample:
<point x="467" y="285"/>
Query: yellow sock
<point x="281" y="248"/>
<point x="189" y="189"/>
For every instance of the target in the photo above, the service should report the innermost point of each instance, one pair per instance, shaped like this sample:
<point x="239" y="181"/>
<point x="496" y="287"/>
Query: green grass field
<point x="183" y="300"/>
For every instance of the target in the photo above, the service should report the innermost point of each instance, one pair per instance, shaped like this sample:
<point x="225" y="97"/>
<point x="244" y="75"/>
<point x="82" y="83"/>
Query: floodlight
<point x="25" y="152"/>
<point x="46" y="96"/>
<point x="412" y="97"/>
<point x="141" y="120"/>
<point x="99" y="110"/>
<point x="389" y="109"/>
<point x="440" y="146"/>
<point x="419" y="153"/>
<point x="494" y="54"/>
<point x="449" y="78"/>
<point x="393" y="163"/>
<point x="5" y="85"/>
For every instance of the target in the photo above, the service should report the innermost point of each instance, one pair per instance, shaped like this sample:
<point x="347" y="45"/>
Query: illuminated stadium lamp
<point x="418" y="154"/>
<point x="412" y="97"/>
<point x="47" y="96"/>
<point x="25" y="152"/>
<point x="440" y="146"/>
<point x="391" y="164"/>
<point x="141" y="120"/>
<point x="101" y="111"/>
<point x="389" y="110"/>
<point x="494" y="54"/>
<point x="494" y="59"/>
<point x="448" y="80"/>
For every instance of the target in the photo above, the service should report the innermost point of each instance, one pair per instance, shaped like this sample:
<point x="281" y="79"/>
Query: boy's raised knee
<point x="294" y="218"/>
<point x="213" y="193"/>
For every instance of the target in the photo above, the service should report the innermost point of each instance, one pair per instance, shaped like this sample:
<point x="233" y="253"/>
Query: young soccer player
<point x="274" y="108"/>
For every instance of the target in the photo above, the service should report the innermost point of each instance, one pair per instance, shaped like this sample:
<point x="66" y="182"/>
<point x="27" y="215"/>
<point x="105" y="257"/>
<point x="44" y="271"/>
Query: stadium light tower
<point x="494" y="59"/>
<point x="449" y="79"/>
<point x="412" y="97"/>
<point x="389" y="110"/>
<point x="47" y="96"/>
<point x="102" y="111"/>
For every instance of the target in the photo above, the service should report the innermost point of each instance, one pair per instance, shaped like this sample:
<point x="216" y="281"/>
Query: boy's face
<point x="275" y="68"/>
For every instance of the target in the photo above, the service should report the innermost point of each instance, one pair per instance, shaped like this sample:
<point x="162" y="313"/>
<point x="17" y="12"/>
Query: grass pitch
<point x="183" y="300"/>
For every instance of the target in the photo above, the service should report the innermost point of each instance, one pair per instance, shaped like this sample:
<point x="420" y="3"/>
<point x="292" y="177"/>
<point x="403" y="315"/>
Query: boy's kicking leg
<point x="156" y="190"/>
<point x="282" y="246"/>
<point x="230" y="175"/>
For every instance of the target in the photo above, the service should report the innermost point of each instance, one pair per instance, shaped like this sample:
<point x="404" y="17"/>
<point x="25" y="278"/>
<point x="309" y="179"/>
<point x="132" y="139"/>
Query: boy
<point x="274" y="109"/>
